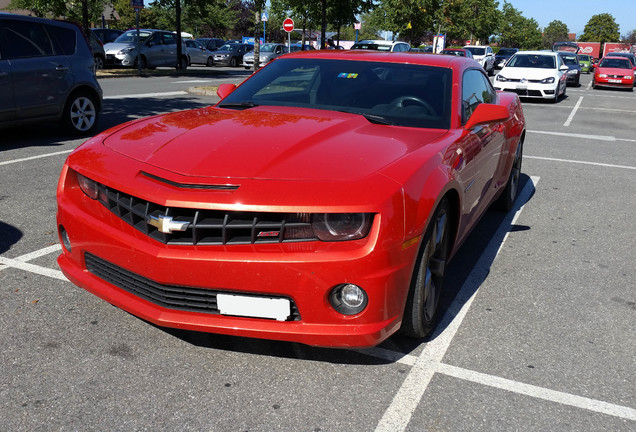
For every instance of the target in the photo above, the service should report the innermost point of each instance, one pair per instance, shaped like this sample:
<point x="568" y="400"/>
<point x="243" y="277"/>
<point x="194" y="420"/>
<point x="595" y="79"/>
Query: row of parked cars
<point x="546" y="74"/>
<point x="154" y="48"/>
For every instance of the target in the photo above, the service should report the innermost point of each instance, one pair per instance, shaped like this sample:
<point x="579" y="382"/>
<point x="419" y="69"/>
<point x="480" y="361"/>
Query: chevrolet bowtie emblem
<point x="166" y="224"/>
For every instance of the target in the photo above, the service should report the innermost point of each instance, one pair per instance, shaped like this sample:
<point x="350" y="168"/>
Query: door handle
<point x="61" y="68"/>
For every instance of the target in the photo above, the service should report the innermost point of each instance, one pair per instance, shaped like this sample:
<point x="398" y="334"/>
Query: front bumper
<point x="119" y="60"/>
<point x="303" y="272"/>
<point x="614" y="82"/>
<point x="528" y="89"/>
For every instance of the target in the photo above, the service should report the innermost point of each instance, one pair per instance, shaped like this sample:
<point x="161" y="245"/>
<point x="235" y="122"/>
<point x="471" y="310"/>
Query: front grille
<point x="167" y="296"/>
<point x="208" y="227"/>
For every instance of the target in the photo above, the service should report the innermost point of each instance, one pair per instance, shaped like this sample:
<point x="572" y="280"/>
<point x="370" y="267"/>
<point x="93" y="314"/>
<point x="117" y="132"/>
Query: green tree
<point x="476" y="20"/>
<point x="72" y="11"/>
<point x="601" y="28"/>
<point x="556" y="31"/>
<point x="629" y="38"/>
<point x="517" y="31"/>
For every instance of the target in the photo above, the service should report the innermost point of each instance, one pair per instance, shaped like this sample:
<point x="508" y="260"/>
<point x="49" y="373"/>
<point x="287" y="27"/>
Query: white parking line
<point x="574" y="110"/>
<point x="538" y="392"/>
<point x="35" y="157"/>
<point x="583" y="136"/>
<point x="398" y="414"/>
<point x="146" y="95"/>
<point x="580" y="162"/>
<point x="32" y="268"/>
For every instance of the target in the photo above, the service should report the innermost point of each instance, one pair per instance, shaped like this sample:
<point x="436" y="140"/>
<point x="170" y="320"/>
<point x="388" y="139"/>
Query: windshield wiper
<point x="376" y="119"/>
<point x="238" y="105"/>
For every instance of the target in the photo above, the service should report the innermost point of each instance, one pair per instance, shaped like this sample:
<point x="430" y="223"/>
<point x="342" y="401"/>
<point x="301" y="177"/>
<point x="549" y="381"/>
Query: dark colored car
<point x="503" y="55"/>
<point x="231" y="54"/>
<point x="105" y="34"/>
<point x="630" y="56"/>
<point x="572" y="62"/>
<point x="459" y="52"/>
<point x="47" y="72"/>
<point x="99" y="54"/>
<point x="211" y="44"/>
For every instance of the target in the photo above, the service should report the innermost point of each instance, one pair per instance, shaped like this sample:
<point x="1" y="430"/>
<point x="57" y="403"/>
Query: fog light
<point x="64" y="237"/>
<point x="348" y="299"/>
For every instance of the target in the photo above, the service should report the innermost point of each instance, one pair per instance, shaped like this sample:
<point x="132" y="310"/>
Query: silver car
<point x="153" y="48"/>
<point x="47" y="73"/>
<point x="268" y="52"/>
<point x="198" y="54"/>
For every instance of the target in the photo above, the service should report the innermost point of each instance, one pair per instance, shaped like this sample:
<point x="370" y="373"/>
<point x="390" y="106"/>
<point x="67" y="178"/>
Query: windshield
<point x="570" y="60"/>
<point x="532" y="61"/>
<point x="616" y="63"/>
<point x="584" y="57"/>
<point x="477" y="51"/>
<point x="268" y="47"/>
<point x="506" y="51"/>
<point x="131" y="36"/>
<point x="229" y="47"/>
<point x="385" y="93"/>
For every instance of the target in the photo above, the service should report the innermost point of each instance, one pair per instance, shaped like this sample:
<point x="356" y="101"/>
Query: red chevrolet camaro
<point x="318" y="202"/>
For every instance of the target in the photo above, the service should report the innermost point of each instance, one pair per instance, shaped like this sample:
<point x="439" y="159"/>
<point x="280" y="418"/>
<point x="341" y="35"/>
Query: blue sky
<point x="576" y="13"/>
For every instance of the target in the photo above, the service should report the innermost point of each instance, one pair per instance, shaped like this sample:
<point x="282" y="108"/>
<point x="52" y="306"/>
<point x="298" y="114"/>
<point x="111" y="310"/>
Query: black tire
<point x="99" y="62"/>
<point x="233" y="62"/>
<point x="81" y="113"/>
<point x="506" y="200"/>
<point x="210" y="62"/>
<point x="422" y="304"/>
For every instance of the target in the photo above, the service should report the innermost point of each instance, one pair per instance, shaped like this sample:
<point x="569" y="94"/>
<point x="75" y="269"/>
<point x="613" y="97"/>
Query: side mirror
<point x="564" y="68"/>
<point x="224" y="90"/>
<point x="487" y="113"/>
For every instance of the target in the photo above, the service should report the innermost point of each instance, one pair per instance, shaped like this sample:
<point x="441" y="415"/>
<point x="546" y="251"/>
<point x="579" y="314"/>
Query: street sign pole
<point x="288" y="26"/>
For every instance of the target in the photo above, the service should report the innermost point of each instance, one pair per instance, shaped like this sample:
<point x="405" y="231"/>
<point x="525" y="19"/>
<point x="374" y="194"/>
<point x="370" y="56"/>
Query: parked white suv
<point x="484" y="55"/>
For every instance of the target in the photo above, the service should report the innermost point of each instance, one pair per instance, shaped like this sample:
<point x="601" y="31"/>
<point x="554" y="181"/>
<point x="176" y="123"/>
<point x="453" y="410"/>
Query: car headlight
<point x="341" y="226"/>
<point x="628" y="77"/>
<point x="501" y="78"/>
<point x="223" y="56"/>
<point x="126" y="50"/>
<point x="91" y="188"/>
<point x="602" y="75"/>
<point x="573" y="71"/>
<point x="549" y="80"/>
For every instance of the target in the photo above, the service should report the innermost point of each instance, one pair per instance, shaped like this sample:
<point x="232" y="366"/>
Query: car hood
<point x="615" y="71"/>
<point x="528" y="73"/>
<point x="267" y="143"/>
<point x="116" y="47"/>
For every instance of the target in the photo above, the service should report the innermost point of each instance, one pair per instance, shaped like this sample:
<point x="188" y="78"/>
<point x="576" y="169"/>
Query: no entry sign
<point x="288" y="25"/>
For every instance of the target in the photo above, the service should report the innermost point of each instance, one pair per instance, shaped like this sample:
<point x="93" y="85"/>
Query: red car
<point x="319" y="202"/>
<point x="617" y="72"/>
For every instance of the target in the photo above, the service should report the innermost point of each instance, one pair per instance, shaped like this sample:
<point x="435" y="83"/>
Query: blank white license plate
<point x="615" y="80"/>
<point x="522" y="87"/>
<point x="254" y="307"/>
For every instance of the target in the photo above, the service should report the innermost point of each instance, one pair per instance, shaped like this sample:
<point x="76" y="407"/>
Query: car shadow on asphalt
<point x="480" y="248"/>
<point x="9" y="235"/>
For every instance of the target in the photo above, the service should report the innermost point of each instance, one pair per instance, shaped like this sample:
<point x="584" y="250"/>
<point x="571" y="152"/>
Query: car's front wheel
<point x="420" y="315"/>
<point x="99" y="62"/>
<point x="210" y="62"/>
<point x="81" y="113"/>
<point x="233" y="62"/>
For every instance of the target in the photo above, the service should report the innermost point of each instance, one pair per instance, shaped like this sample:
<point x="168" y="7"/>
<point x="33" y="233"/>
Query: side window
<point x="169" y="39"/>
<point x="65" y="39"/>
<point x="26" y="39"/>
<point x="156" y="39"/>
<point x="475" y="90"/>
